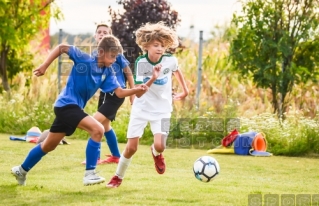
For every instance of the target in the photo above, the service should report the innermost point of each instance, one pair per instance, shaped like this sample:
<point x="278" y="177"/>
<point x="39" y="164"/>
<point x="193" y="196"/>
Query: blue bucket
<point x="243" y="142"/>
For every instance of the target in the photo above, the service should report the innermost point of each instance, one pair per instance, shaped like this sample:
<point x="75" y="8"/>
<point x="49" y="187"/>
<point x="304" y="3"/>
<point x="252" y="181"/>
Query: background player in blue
<point x="109" y="103"/>
<point x="89" y="73"/>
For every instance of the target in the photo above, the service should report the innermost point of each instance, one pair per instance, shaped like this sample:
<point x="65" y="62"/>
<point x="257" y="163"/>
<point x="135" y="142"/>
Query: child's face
<point x="155" y="48"/>
<point x="109" y="58"/>
<point x="101" y="32"/>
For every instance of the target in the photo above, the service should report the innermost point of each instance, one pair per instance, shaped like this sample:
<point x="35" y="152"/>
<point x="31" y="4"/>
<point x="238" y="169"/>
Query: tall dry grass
<point x="223" y="94"/>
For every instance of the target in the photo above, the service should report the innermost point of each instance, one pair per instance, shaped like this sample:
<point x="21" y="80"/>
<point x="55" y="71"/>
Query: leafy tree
<point x="20" y="23"/>
<point x="137" y="13"/>
<point x="277" y="44"/>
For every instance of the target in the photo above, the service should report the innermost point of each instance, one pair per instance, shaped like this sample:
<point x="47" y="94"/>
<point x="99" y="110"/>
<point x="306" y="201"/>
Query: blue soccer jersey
<point x="118" y="67"/>
<point x="85" y="79"/>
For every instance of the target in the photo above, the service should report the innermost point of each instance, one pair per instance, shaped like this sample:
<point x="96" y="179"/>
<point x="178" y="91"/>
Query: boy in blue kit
<point x="109" y="102"/>
<point x="89" y="73"/>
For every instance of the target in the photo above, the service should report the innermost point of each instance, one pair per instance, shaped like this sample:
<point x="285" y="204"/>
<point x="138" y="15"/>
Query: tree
<point x="137" y="13"/>
<point x="20" y="23"/>
<point x="277" y="44"/>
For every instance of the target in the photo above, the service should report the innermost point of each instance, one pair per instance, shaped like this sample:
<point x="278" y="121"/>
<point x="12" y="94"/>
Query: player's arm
<point x="130" y="80"/>
<point x="155" y="74"/>
<point x="181" y="81"/>
<point x="56" y="52"/>
<point x="121" y="93"/>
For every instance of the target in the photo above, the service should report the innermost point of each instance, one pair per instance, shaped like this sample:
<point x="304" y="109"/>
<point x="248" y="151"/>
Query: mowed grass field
<point x="57" y="179"/>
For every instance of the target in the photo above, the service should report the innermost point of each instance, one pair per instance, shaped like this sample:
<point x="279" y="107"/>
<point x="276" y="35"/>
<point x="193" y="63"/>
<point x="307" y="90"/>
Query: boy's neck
<point x="152" y="59"/>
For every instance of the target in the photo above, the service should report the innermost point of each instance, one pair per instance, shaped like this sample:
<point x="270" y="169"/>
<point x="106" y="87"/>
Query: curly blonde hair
<point x="158" y="31"/>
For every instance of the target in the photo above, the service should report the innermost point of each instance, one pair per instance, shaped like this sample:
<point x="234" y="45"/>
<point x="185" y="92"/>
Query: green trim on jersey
<point x="152" y="63"/>
<point x="134" y="76"/>
<point x="149" y="61"/>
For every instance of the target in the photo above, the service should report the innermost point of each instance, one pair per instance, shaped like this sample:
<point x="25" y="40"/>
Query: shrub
<point x="137" y="13"/>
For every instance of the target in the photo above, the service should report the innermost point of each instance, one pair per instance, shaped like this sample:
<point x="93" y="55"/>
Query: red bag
<point x="230" y="138"/>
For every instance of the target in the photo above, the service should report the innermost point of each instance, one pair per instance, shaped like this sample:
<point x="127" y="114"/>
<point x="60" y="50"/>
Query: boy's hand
<point x="179" y="96"/>
<point x="40" y="70"/>
<point x="156" y="71"/>
<point x="142" y="88"/>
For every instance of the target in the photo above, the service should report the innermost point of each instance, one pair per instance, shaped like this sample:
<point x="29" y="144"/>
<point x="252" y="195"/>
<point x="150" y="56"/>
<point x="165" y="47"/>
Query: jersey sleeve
<point x="138" y="74"/>
<point x="110" y="82"/>
<point x="77" y="56"/>
<point x="175" y="64"/>
<point x="122" y="61"/>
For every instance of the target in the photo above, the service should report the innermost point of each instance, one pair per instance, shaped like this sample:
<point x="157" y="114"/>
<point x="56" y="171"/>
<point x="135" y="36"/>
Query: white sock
<point x="122" y="166"/>
<point x="155" y="153"/>
<point x="22" y="170"/>
<point x="87" y="172"/>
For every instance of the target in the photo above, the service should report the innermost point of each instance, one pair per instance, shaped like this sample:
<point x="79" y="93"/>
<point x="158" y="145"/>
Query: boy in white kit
<point x="155" y="106"/>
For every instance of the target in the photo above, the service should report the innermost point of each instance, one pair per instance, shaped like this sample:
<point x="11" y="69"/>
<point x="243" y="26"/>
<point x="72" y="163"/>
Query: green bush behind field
<point x="226" y="102"/>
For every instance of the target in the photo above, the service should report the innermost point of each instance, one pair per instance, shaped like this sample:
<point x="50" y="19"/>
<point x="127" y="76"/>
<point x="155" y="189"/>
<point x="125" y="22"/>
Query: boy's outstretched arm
<point x="181" y="81"/>
<point x="155" y="74"/>
<point x="56" y="52"/>
<point x="121" y="93"/>
<point x="130" y="80"/>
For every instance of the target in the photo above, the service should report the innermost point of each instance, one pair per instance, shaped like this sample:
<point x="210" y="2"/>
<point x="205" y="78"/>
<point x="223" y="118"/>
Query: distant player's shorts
<point x="67" y="119"/>
<point x="111" y="105"/>
<point x="159" y="122"/>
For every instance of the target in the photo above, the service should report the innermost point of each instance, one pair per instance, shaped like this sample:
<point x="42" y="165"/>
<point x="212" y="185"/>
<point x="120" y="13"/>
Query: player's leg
<point x="125" y="160"/>
<point x="135" y="131"/>
<point x="106" y="114"/>
<point x="100" y="103"/>
<point x="96" y="130"/>
<point x="157" y="150"/>
<point x="160" y="129"/>
<point x="35" y="155"/>
<point x="58" y="131"/>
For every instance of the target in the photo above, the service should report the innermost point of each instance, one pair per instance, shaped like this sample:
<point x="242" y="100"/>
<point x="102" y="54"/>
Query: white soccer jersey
<point x="158" y="99"/>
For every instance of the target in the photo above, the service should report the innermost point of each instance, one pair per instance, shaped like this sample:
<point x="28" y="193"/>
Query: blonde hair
<point x="158" y="31"/>
<point x="110" y="43"/>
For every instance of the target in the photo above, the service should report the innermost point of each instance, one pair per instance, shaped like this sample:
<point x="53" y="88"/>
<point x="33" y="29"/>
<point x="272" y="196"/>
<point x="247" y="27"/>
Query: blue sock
<point x="92" y="153"/>
<point x="99" y="155"/>
<point x="111" y="141"/>
<point x="33" y="158"/>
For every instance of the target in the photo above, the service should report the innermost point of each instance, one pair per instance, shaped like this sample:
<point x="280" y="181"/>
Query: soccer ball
<point x="206" y="168"/>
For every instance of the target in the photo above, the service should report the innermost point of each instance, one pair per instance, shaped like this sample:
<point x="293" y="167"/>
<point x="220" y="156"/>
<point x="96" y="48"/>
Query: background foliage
<point x="237" y="98"/>
<point x="20" y="25"/>
<point x="276" y="45"/>
<point x="225" y="95"/>
<point x="137" y="13"/>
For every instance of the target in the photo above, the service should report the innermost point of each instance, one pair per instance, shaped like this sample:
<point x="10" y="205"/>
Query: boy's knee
<point x="131" y="149"/>
<point x="97" y="133"/>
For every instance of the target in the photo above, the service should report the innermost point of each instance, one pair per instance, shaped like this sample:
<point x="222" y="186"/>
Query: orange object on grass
<point x="259" y="143"/>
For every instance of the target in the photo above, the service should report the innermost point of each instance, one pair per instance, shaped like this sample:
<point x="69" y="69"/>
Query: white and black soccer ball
<point x="206" y="168"/>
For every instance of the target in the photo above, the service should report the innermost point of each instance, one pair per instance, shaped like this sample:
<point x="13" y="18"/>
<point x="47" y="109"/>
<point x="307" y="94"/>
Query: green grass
<point x="57" y="179"/>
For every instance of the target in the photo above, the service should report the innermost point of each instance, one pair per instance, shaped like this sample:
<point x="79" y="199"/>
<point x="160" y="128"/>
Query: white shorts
<point x="160" y="122"/>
